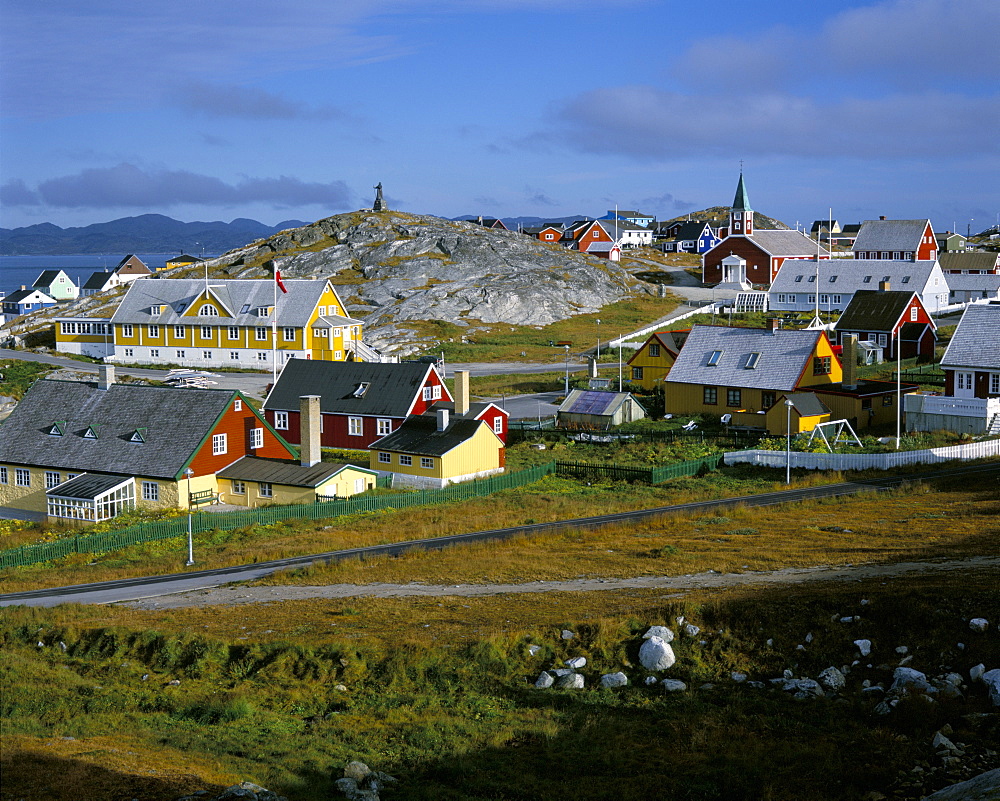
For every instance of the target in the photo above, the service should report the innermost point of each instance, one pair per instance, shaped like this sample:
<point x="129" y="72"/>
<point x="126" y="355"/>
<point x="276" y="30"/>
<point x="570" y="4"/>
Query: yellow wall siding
<point x="341" y="485"/>
<point x="479" y="453"/>
<point x="777" y="418"/>
<point x="32" y="498"/>
<point x="654" y="368"/>
<point x="689" y="399"/>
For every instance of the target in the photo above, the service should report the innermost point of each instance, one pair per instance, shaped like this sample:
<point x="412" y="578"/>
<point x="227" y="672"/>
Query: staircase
<point x="366" y="353"/>
<point x="994" y="427"/>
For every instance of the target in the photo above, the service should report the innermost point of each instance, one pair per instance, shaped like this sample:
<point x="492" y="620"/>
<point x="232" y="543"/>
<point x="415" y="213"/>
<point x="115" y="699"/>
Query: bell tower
<point x="741" y="215"/>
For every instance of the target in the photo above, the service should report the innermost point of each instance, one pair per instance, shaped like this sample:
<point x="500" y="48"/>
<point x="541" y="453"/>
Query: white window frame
<point x="3" y="475"/>
<point x="384" y="426"/>
<point x="153" y="331"/>
<point x="427" y="393"/>
<point x="265" y="489"/>
<point x="22" y="477"/>
<point x="206" y="332"/>
<point x="220" y="444"/>
<point x="127" y="330"/>
<point x="288" y="334"/>
<point x="260" y="333"/>
<point x="994" y="383"/>
<point x="234" y="332"/>
<point x="52" y="479"/>
<point x="426" y="462"/>
<point x="281" y="421"/>
<point x="256" y="438"/>
<point x="238" y="405"/>
<point x="355" y="426"/>
<point x="436" y="392"/>
<point x="150" y="491"/>
<point x="405" y="460"/>
<point x="179" y="332"/>
<point x="498" y="424"/>
<point x="383" y="458"/>
<point x="239" y="487"/>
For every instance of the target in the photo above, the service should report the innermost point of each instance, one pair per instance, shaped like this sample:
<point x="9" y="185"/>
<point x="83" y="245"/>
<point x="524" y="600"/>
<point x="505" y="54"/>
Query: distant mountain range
<point x="147" y="233"/>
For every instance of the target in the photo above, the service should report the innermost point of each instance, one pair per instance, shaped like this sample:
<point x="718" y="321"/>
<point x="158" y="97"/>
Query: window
<point x="405" y="460"/>
<point x="288" y="334"/>
<point x="752" y="360"/>
<point x="384" y="426"/>
<point x="206" y="332"/>
<point x="154" y="353"/>
<point x="766" y="400"/>
<point x="798" y="279"/>
<point x="994" y="383"/>
<point x="782" y="299"/>
<point x="126" y="330"/>
<point x="238" y="405"/>
<point x="336" y="332"/>
<point x="51" y="479"/>
<point x="825" y="299"/>
<point x="812" y="299"/>
<point x="883" y="340"/>
<point x="654" y="350"/>
<point x="885" y="278"/>
<point x="550" y="236"/>
<point x="208" y="310"/>
<point x="219" y="444"/>
<point x="321" y="311"/>
<point x="262" y="355"/>
<point x="906" y="279"/>
<point x="239" y="488"/>
<point x="866" y="280"/>
<point x="263" y="311"/>
<point x="887" y="400"/>
<point x="181" y="307"/>
<point x="129" y="352"/>
<point x="637" y="374"/>
<point x="245" y="309"/>
<point x="265" y="490"/>
<point x="355" y="426"/>
<point x="895" y="254"/>
<point x="150" y="491"/>
<point x="709" y="396"/>
<point x="713" y="360"/>
<point x="436" y="392"/>
<point x="427" y="393"/>
<point x="180" y="354"/>
<point x="338" y="355"/>
<point x="913" y="314"/>
<point x="833" y="279"/>
<point x="426" y="462"/>
<point x="256" y="438"/>
<point x="595" y="234"/>
<point x="56" y="430"/>
<point x="384" y="458"/>
<point x="281" y="421"/>
<point x="22" y="477"/>
<point x="498" y="424"/>
<point x="153" y="331"/>
<point x="963" y="380"/>
<point x="260" y="333"/>
<point x="3" y="475"/>
<point x="155" y="310"/>
<point x="206" y="354"/>
<point x="812" y="279"/>
<point x="734" y="397"/>
<point x="821" y="365"/>
<point x="836" y="300"/>
<point x="234" y="355"/>
<point x="179" y="331"/>
<point x="234" y="332"/>
<point x="319" y="332"/>
<point x="139" y="435"/>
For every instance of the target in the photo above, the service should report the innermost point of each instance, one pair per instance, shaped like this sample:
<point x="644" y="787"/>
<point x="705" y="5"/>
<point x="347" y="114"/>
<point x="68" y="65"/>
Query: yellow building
<point x="260" y="482"/>
<point x="436" y="449"/>
<point x="85" y="336"/>
<point x="805" y="412"/>
<point x="237" y="323"/>
<point x="738" y="374"/>
<point x="653" y="360"/>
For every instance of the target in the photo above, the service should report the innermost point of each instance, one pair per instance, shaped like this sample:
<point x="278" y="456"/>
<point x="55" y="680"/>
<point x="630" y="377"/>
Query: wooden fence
<point x="648" y="475"/>
<point x="224" y="521"/>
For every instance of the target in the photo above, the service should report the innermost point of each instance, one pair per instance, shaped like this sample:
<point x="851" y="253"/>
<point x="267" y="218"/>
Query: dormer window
<point x="57" y="429"/>
<point x="91" y="432"/>
<point x="713" y="360"/>
<point x="752" y="360"/>
<point x="360" y="389"/>
<point x="139" y="435"/>
<point x="156" y="310"/>
<point x="263" y="311"/>
<point x="208" y="310"/>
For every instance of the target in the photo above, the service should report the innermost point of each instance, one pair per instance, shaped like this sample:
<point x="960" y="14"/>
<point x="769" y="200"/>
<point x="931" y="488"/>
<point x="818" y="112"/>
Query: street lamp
<point x="567" y="370"/>
<point x="788" y="441"/>
<point x="598" y="321"/>
<point x="189" y="472"/>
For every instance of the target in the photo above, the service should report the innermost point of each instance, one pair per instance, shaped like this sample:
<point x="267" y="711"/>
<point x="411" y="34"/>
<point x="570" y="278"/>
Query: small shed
<point x="806" y="413"/>
<point x="253" y="481"/>
<point x="590" y="409"/>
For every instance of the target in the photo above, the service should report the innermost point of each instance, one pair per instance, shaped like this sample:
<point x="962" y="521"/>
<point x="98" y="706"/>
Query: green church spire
<point x="741" y="202"/>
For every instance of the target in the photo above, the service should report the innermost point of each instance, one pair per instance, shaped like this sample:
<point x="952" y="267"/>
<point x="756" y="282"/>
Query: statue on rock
<point x="379" y="204"/>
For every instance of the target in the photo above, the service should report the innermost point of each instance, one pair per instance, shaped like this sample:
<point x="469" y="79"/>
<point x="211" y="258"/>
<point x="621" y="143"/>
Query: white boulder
<point x="571" y="681"/>
<point x="976" y="671"/>
<point x="904" y="678"/>
<point x="979" y="624"/>
<point x="655" y="654"/>
<point x="673" y="685"/>
<point x="991" y="678"/>
<point x="612" y="680"/>
<point x="662" y="632"/>
<point x="691" y="630"/>
<point x="534" y="649"/>
<point x="544" y="680"/>
<point x="864" y="646"/>
<point x="576" y="662"/>
<point x="832" y="679"/>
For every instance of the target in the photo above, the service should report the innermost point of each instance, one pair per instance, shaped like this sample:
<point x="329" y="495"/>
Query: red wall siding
<point x="758" y="262"/>
<point x="237" y="426"/>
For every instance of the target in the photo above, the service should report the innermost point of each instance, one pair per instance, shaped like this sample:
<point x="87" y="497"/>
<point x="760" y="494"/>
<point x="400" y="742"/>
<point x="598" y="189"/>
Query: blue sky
<point x="212" y="110"/>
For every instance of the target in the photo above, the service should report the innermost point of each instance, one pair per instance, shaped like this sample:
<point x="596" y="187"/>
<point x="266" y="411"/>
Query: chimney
<point x="775" y="323"/>
<point x="23" y="287"/>
<point x="884" y="286"/>
<point x="107" y="377"/>
<point x="849" y="361"/>
<point x="461" y="393"/>
<point x="881" y="216"/>
<point x="442" y="419"/>
<point x="309" y="424"/>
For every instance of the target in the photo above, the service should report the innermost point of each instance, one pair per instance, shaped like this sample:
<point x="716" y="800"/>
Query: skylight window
<point x="886" y="277"/>
<point x="752" y="360"/>
<point x="812" y="279"/>
<point x="361" y="389"/>
<point x="906" y="279"/>
<point x="798" y="279"/>
<point x="713" y="360"/>
<point x="245" y="309"/>
<point x="90" y="433"/>
<point x="833" y="279"/>
<point x="866" y="280"/>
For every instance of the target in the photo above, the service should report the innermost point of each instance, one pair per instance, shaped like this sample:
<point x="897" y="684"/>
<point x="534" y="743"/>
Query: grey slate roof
<point x="98" y="280"/>
<point x="901" y="235"/>
<point x="47" y="278"/>
<point x="870" y="310"/>
<point x="976" y="341"/>
<point x="283" y="471"/>
<point x="176" y="294"/>
<point x="393" y="388"/>
<point x="173" y="422"/>
<point x="785" y="243"/>
<point x="972" y="260"/>
<point x="784" y="355"/>
<point x="419" y="435"/>
<point x="851" y="275"/>
<point x="961" y="282"/>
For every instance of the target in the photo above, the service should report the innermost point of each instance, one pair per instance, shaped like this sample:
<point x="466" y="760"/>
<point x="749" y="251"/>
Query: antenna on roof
<point x="817" y="321"/>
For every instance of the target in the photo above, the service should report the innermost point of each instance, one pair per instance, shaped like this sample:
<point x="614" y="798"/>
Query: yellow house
<point x="237" y="323"/>
<point x="653" y="360"/>
<point x="738" y="374"/>
<point x="436" y="449"/>
<point x="803" y="413"/>
<point x="252" y="481"/>
<point x="184" y="260"/>
<point x="86" y="336"/>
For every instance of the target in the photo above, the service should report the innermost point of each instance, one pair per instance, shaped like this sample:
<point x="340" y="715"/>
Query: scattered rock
<point x="832" y="679"/>
<point x="655" y="654"/>
<point x="662" y="632"/>
<point x="984" y="787"/>
<point x="979" y="624"/>
<point x="976" y="672"/>
<point x="991" y="678"/>
<point x="864" y="646"/>
<point x="691" y="630"/>
<point x="672" y="685"/>
<point x="571" y="681"/>
<point x="544" y="680"/>
<point x="739" y="678"/>
<point x="567" y="634"/>
<point x="612" y="680"/>
<point x="534" y="649"/>
<point x="576" y="662"/>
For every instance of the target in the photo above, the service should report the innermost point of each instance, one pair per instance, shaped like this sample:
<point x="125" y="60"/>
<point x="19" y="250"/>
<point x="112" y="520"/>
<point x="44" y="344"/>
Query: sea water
<point x="18" y="271"/>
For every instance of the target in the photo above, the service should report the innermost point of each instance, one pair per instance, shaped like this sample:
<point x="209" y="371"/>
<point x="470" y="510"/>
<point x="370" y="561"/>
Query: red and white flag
<point x="277" y="280"/>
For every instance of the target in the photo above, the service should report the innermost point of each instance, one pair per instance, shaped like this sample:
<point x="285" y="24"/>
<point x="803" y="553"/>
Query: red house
<point x="907" y="240"/>
<point x="886" y="320"/>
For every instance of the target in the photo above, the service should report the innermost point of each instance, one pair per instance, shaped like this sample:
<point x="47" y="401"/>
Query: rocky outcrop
<point x="394" y="269"/>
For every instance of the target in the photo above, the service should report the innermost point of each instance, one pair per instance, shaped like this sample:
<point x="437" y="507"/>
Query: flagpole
<point x="274" y="331"/>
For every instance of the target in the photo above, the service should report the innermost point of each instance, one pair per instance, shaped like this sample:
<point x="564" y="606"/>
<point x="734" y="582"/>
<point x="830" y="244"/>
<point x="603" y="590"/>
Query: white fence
<point x="865" y="461"/>
<point x="662" y="325"/>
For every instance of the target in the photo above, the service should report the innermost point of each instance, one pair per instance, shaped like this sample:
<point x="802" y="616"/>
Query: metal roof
<point x="88" y="486"/>
<point x="172" y="424"/>
<point x="784" y="355"/>
<point x="976" y="341"/>
<point x="287" y="472"/>
<point x="419" y="435"/>
<point x="978" y="260"/>
<point x="392" y="390"/>
<point x="742" y="201"/>
<point x="593" y="402"/>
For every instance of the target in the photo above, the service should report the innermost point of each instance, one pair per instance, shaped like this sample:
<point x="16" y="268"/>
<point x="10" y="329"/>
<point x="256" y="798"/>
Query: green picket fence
<point x="225" y="521"/>
<point x="649" y="475"/>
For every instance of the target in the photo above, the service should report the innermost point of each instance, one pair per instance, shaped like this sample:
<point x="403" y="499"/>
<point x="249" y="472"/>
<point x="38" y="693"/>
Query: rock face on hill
<point x="393" y="269"/>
